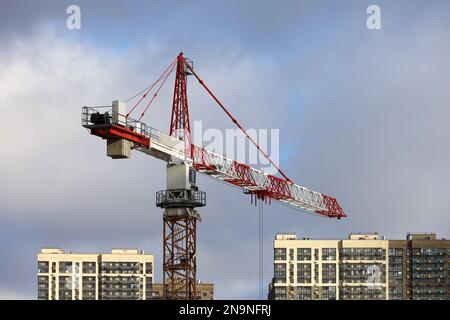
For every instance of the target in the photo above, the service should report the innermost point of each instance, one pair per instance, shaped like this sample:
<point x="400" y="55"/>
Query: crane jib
<point x="163" y="146"/>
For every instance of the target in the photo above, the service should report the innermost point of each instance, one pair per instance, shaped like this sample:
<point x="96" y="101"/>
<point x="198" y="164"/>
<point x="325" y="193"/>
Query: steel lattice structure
<point x="180" y="256"/>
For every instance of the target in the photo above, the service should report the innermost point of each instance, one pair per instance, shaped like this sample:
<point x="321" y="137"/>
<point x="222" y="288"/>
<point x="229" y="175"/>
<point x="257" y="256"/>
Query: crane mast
<point x="179" y="202"/>
<point x="182" y="196"/>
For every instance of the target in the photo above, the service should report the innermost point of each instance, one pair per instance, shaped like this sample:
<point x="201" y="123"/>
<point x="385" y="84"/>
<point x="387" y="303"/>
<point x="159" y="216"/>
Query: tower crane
<point x="182" y="196"/>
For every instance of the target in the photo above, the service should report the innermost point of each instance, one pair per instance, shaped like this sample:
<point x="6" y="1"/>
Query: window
<point x="304" y="293"/>
<point x="328" y="293"/>
<point x="329" y="273"/>
<point x="89" y="267"/>
<point x="280" y="272"/>
<point x="43" y="267"/>
<point x="363" y="253"/>
<point x="148" y="267"/>
<point x="395" y="252"/>
<point x="280" y="253"/>
<point x="362" y="272"/>
<point x="329" y="254"/>
<point x="65" y="267"/>
<point x="303" y="273"/>
<point x="303" y="254"/>
<point x="361" y="293"/>
<point x="65" y="288"/>
<point x="43" y="288"/>
<point x="395" y="293"/>
<point x="280" y="293"/>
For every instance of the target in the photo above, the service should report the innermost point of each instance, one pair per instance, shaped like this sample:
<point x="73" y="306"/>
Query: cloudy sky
<point x="363" y="115"/>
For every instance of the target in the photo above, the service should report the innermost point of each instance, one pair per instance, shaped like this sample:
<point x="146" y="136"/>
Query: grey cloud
<point x="383" y="112"/>
<point x="58" y="187"/>
<point x="362" y="117"/>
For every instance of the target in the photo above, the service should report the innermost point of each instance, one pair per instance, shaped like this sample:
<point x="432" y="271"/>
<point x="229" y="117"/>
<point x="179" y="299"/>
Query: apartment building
<point x="121" y="274"/>
<point x="419" y="268"/>
<point x="205" y="291"/>
<point x="306" y="269"/>
<point x="362" y="267"/>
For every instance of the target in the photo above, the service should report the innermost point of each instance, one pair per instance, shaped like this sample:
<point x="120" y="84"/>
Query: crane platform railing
<point x="167" y="198"/>
<point x="104" y="116"/>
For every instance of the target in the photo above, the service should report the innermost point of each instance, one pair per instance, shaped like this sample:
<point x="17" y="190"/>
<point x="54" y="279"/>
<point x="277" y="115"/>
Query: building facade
<point x="205" y="291"/>
<point x="419" y="268"/>
<point x="306" y="269"/>
<point x="362" y="267"/>
<point x="121" y="274"/>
